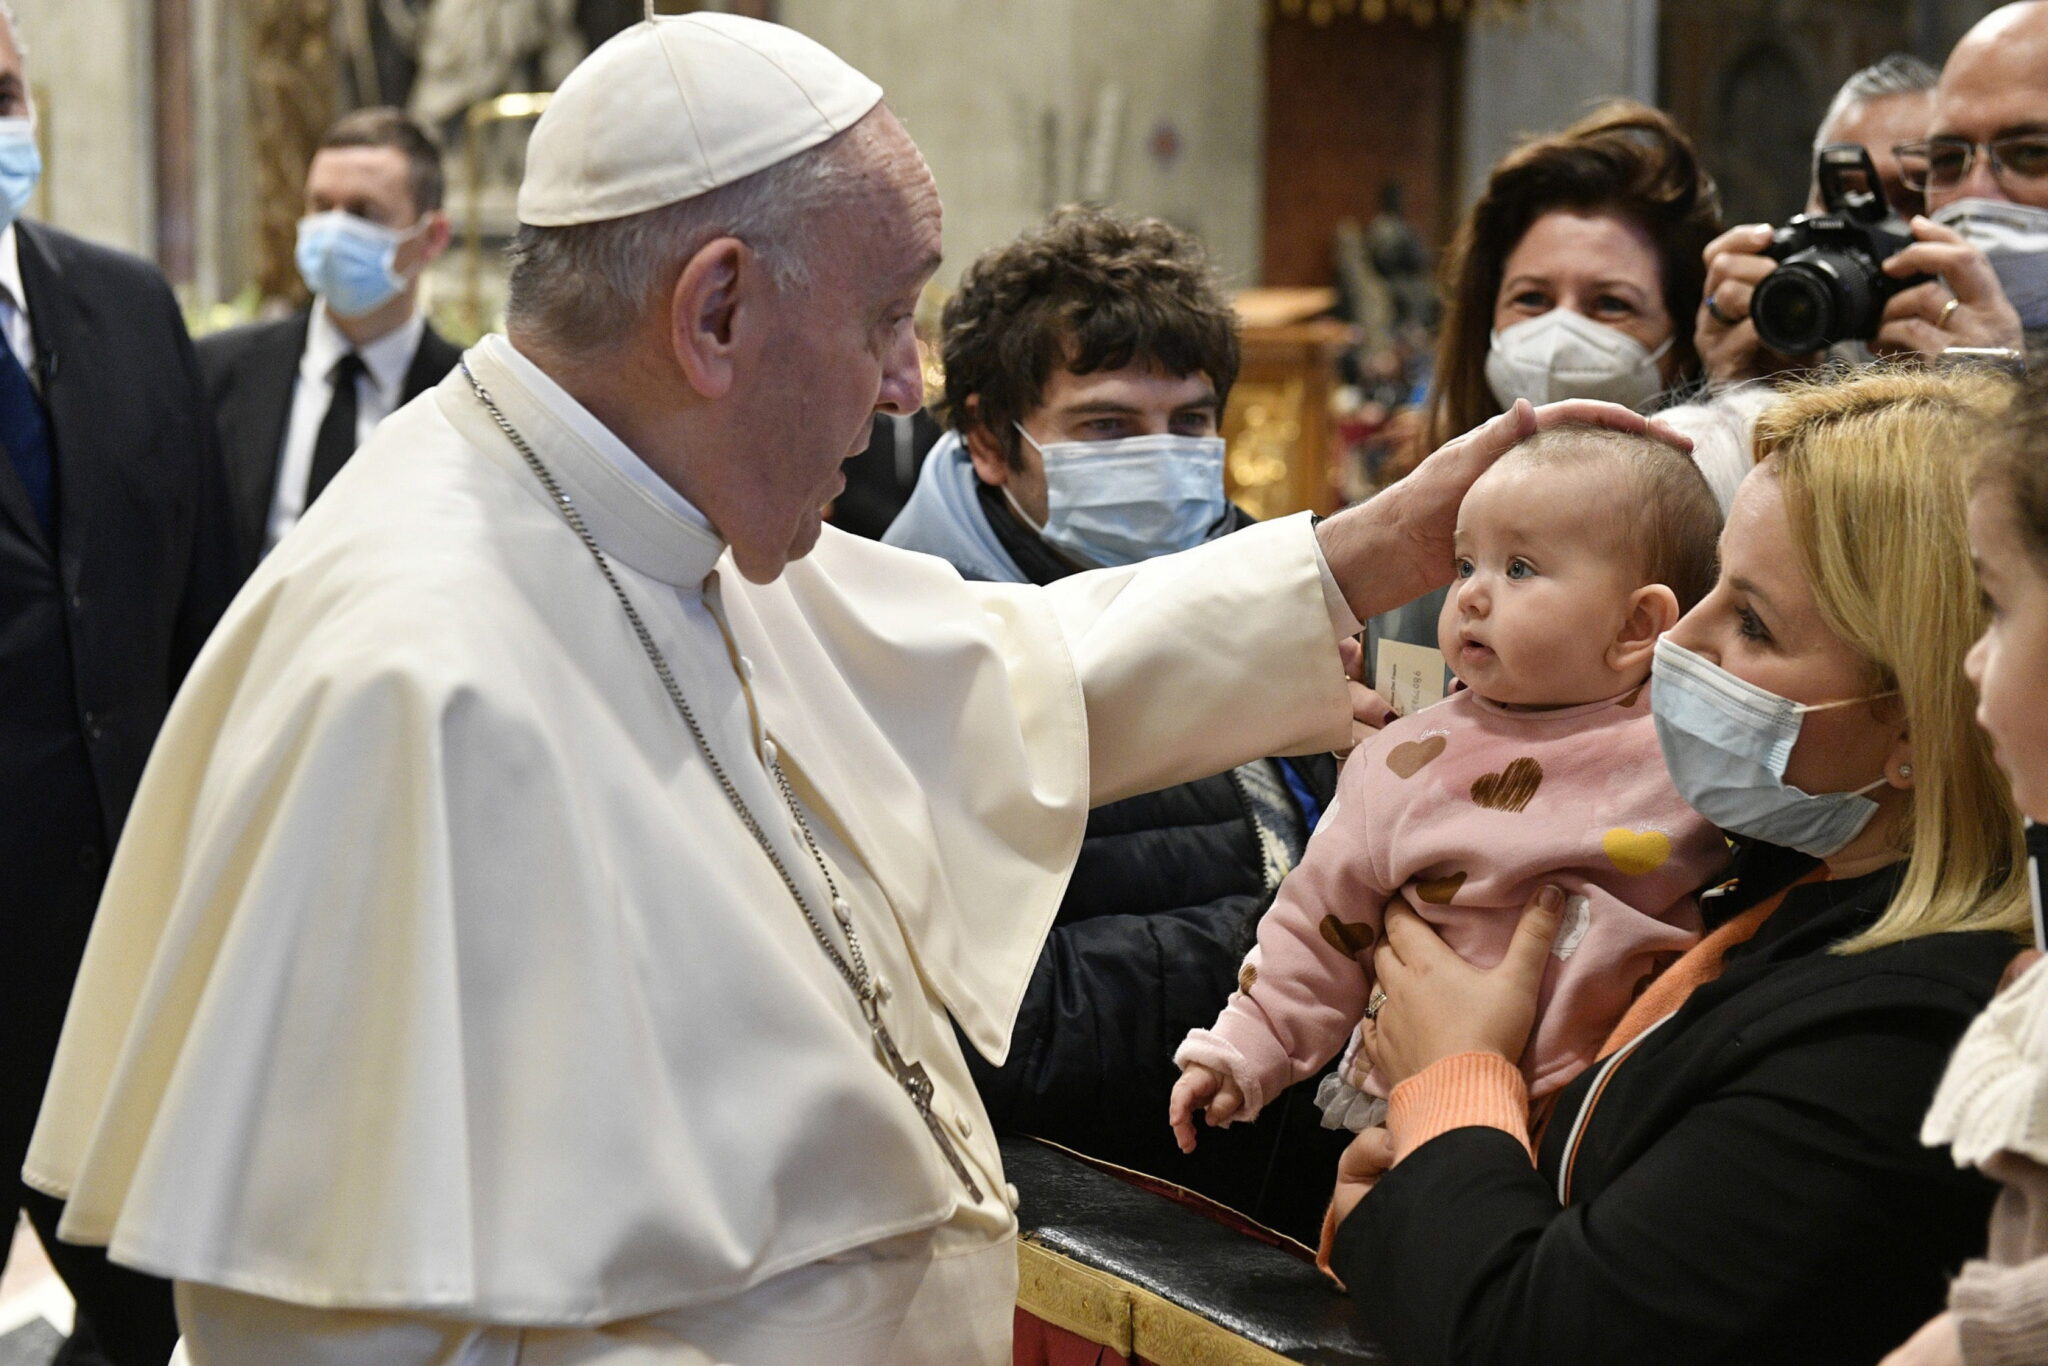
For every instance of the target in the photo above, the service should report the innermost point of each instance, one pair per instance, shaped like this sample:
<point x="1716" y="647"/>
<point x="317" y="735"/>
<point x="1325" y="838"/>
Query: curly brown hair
<point x="1623" y="158"/>
<point x="1089" y="289"/>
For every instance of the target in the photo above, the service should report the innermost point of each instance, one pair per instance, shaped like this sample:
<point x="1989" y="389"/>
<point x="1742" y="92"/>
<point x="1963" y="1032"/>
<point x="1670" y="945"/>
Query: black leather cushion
<point x="1263" y="1289"/>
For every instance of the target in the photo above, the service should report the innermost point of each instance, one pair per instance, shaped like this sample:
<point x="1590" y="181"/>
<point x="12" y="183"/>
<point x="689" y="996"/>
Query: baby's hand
<point x="1201" y="1088"/>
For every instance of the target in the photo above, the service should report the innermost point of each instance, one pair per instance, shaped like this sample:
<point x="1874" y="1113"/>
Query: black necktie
<point x="337" y="439"/>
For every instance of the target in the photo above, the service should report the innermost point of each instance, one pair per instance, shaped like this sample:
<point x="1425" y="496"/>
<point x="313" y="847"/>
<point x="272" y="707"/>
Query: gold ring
<point x="1941" y="318"/>
<point x="1378" y="1001"/>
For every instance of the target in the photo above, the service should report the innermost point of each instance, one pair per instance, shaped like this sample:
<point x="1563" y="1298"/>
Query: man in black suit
<point x="294" y="398"/>
<point x="117" y="554"/>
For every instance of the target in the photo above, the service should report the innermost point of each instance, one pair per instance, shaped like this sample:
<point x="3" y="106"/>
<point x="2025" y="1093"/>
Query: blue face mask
<point x="346" y="260"/>
<point x="21" y="166"/>
<point x="1119" y="502"/>
<point x="1726" y="743"/>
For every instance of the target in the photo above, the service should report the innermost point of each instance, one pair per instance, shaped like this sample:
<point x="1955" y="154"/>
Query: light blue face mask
<point x="1726" y="743"/>
<point x="346" y="260"/>
<point x="1119" y="502"/>
<point x="21" y="166"/>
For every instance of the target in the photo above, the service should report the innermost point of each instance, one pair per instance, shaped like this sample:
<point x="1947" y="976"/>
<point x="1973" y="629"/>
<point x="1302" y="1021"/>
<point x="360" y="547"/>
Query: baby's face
<point x="1542" y="589"/>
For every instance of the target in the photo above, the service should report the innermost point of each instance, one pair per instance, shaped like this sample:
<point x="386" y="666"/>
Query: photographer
<point x="1987" y="231"/>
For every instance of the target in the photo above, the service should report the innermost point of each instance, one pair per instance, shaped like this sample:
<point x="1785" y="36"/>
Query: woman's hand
<point x="1439" y="1006"/>
<point x="1936" y="1344"/>
<point x="1368" y="1158"/>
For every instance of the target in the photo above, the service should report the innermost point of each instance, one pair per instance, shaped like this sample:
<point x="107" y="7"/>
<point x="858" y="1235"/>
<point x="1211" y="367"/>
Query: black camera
<point x="1828" y="287"/>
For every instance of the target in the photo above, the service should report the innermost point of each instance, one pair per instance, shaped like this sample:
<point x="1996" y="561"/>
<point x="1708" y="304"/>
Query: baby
<point x="1574" y="553"/>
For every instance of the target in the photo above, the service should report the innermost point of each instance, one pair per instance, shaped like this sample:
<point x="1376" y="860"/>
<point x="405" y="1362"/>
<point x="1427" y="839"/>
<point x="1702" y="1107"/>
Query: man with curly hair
<point x="1087" y="364"/>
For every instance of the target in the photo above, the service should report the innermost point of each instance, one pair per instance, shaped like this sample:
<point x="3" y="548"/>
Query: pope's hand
<point x="1964" y="305"/>
<point x="1396" y="546"/>
<point x="1201" y="1088"/>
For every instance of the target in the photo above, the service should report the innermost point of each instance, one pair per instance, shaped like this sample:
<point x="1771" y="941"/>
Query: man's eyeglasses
<point x="1944" y="163"/>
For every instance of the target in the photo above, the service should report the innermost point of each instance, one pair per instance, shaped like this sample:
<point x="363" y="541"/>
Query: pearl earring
<point x="1905" y="770"/>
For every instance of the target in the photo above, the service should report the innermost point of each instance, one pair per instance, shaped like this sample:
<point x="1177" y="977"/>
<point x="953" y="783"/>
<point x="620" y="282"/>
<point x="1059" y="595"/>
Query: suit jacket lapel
<point x="253" y="424"/>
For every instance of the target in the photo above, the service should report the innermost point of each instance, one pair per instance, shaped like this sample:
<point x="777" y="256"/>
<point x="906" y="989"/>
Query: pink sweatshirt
<point x="1466" y="809"/>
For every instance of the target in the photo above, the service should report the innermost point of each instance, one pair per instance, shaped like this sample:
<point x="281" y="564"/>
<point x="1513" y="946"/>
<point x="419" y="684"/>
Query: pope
<point x="538" y="929"/>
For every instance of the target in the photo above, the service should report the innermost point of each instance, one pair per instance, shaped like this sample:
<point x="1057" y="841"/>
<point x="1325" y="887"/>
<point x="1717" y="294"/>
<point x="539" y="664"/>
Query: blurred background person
<point x="295" y="397"/>
<point x="1982" y="170"/>
<point x="116" y="557"/>
<point x="1882" y="107"/>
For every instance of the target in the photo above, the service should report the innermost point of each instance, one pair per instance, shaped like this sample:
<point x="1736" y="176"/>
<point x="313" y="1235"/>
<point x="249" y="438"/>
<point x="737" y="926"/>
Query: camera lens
<point x="1794" y="309"/>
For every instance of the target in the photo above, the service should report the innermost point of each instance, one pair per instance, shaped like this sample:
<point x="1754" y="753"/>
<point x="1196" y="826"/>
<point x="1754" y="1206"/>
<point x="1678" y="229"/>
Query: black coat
<point x="1163" y="905"/>
<point x="95" y="637"/>
<point x="250" y="374"/>
<point x="1750" y="1187"/>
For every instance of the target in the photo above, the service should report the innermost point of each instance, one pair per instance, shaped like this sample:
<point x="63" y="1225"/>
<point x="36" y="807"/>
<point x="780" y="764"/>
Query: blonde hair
<point x="1875" y="473"/>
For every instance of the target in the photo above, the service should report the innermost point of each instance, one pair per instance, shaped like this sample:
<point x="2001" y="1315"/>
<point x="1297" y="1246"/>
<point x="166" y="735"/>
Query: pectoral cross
<point x="917" y="1084"/>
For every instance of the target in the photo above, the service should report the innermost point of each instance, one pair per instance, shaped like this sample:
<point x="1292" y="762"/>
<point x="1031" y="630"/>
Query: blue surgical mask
<point x="1726" y="743"/>
<point x="21" y="166"/>
<point x="346" y="260"/>
<point x="1119" y="502"/>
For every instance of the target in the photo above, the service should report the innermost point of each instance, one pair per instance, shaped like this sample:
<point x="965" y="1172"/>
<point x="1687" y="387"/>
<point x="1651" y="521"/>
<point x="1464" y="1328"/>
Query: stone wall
<point x="89" y="63"/>
<point x="1010" y="102"/>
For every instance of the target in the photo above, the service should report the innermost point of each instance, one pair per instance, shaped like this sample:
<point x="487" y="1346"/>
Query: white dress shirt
<point x="378" y="388"/>
<point x="14" y="324"/>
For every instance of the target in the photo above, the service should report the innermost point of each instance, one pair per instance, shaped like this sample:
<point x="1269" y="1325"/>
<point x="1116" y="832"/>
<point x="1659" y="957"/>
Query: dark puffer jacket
<point x="1164" y="903"/>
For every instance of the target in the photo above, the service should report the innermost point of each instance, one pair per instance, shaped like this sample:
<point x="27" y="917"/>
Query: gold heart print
<point x="1511" y="788"/>
<point x="1408" y="759"/>
<point x="1346" y="937"/>
<point x="1438" y="891"/>
<point x="1246" y="975"/>
<point x="1636" y="852"/>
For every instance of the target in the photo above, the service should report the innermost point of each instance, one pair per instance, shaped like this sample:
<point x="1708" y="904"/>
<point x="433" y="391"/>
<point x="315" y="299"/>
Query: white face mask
<point x="1726" y="743"/>
<point x="1563" y="354"/>
<point x="2015" y="238"/>
<point x="1119" y="502"/>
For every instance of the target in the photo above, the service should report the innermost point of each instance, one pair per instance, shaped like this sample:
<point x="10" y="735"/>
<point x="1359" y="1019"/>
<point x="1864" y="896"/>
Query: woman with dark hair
<point x="1601" y="227"/>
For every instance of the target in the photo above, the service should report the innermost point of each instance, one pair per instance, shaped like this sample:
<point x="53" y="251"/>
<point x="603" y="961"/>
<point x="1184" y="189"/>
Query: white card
<point x="1410" y="677"/>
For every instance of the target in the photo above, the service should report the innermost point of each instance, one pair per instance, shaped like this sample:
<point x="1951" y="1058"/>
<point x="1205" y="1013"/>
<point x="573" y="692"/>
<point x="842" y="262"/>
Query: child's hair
<point x="2015" y="466"/>
<point x="1663" y="510"/>
<point x="1875" y="474"/>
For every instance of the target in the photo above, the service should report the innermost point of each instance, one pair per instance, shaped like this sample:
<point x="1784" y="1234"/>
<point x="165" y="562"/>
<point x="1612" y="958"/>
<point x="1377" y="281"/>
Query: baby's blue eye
<point x="1520" y="569"/>
<point x="1464" y="569"/>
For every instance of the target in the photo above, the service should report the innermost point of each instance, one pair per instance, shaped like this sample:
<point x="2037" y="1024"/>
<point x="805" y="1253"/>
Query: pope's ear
<point x="714" y="299"/>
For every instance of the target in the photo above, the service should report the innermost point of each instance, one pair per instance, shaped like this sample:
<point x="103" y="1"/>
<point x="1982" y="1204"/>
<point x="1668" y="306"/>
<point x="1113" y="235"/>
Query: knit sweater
<point x="1992" y="1109"/>
<point x="1464" y="810"/>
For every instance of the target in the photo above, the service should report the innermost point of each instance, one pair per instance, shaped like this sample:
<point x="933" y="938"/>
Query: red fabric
<point x="1038" y="1343"/>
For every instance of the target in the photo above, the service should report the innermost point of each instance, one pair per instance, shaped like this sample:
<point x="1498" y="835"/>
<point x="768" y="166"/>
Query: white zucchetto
<point x="678" y="105"/>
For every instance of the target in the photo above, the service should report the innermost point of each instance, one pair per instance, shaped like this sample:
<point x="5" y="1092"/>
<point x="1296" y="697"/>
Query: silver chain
<point x="856" y="973"/>
<point x="911" y="1076"/>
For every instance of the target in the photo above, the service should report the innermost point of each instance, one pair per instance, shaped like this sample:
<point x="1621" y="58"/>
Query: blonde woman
<point x="1740" y="1178"/>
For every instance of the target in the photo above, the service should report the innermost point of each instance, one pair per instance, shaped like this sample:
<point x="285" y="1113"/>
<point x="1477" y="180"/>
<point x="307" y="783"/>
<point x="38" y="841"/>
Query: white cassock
<point x="437" y="980"/>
